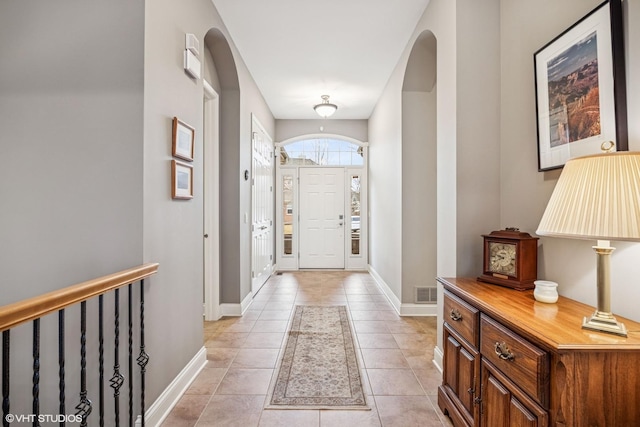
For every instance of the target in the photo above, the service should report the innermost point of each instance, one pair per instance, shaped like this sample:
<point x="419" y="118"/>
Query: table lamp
<point x="597" y="197"/>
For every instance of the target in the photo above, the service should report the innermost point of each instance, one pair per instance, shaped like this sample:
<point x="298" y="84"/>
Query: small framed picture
<point x="181" y="180"/>
<point x="183" y="140"/>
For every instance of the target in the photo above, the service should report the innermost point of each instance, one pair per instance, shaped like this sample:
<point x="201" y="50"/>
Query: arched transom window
<point x="322" y="152"/>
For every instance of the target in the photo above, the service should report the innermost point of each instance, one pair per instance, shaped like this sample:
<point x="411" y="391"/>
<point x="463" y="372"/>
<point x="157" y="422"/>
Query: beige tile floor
<point x="395" y="354"/>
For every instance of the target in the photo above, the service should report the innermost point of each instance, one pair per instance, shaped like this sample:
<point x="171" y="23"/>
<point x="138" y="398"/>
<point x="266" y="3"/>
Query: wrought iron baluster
<point x="143" y="358"/>
<point x="61" y="373"/>
<point x="130" y="288"/>
<point x="101" y="357"/>
<point x="84" y="407"/>
<point x="36" y="372"/>
<point x="5" y="377"/>
<point x="117" y="379"/>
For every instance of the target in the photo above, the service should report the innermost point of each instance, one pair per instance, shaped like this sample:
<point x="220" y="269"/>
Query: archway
<point x="222" y="136"/>
<point x="419" y="173"/>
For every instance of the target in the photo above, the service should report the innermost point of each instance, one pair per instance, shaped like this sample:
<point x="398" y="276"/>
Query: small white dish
<point x="545" y="291"/>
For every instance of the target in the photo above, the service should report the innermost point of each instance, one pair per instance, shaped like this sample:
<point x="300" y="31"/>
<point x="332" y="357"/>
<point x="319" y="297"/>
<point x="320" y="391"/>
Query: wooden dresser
<point x="512" y="361"/>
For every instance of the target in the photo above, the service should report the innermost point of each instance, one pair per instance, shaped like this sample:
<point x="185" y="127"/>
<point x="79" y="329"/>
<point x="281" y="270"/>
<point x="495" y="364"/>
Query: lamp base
<point x="604" y="322"/>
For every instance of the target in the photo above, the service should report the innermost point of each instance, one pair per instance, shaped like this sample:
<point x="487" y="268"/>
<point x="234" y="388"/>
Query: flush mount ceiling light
<point x="325" y="109"/>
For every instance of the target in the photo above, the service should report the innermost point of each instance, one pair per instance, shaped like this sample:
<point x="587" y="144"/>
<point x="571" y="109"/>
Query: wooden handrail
<point x="12" y="315"/>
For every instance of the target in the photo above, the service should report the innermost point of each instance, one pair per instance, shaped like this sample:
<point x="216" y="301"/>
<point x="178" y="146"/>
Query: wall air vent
<point x="426" y="294"/>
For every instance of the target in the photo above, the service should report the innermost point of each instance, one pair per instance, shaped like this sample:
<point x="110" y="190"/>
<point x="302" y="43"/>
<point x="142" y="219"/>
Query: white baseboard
<point x="160" y="409"/>
<point x="403" y="309"/>
<point x="438" y="358"/>
<point x="408" y="309"/>
<point x="230" y="309"/>
<point x="246" y="302"/>
<point x="237" y="309"/>
<point x="393" y="299"/>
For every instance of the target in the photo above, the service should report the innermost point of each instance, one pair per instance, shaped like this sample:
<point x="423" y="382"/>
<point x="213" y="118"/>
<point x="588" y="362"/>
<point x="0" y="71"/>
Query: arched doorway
<point x="222" y="132"/>
<point x="321" y="203"/>
<point x="419" y="153"/>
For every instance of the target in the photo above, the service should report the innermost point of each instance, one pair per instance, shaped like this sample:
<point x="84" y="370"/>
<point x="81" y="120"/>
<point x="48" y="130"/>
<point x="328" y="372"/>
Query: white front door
<point x="322" y="221"/>
<point x="262" y="207"/>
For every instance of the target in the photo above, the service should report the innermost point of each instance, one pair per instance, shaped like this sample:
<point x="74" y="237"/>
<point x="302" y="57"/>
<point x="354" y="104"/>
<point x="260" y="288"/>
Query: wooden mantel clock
<point x="510" y="259"/>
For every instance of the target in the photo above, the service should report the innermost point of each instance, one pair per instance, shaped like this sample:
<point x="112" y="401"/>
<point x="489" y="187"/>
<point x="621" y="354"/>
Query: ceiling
<point x="298" y="50"/>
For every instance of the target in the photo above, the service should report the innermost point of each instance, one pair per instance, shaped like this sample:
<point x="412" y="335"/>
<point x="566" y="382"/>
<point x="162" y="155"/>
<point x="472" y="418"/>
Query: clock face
<point x="502" y="258"/>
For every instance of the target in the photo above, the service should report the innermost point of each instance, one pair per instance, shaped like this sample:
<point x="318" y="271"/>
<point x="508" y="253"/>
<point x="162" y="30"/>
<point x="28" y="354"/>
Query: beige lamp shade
<point x="596" y="197"/>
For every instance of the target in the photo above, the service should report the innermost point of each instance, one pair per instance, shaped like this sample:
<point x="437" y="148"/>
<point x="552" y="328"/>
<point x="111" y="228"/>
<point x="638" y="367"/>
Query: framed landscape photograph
<point x="181" y="180"/>
<point x="581" y="90"/>
<point x="183" y="140"/>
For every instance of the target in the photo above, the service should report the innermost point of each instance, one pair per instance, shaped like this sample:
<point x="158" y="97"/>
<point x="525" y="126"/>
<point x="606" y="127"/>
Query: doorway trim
<point x="290" y="261"/>
<point x="211" y="192"/>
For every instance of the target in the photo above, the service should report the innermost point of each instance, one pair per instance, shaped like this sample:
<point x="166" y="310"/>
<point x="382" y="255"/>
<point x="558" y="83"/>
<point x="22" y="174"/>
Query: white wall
<point x="526" y="26"/>
<point x="467" y="149"/>
<point x="71" y="110"/>
<point x="385" y="186"/>
<point x="173" y="230"/>
<point x="71" y="114"/>
<point x="386" y="152"/>
<point x="419" y="227"/>
<point x="467" y="141"/>
<point x="478" y="129"/>
<point x="286" y="129"/>
<point x="419" y="167"/>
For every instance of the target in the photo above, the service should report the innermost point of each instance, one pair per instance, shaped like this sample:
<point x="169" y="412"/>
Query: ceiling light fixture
<point x="325" y="109"/>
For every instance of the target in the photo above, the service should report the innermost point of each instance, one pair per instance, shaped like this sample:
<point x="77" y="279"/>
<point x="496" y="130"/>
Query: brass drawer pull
<point x="503" y="352"/>
<point x="455" y="315"/>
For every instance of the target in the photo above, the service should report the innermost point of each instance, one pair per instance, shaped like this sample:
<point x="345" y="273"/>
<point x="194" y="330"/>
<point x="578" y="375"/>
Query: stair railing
<point x="33" y="309"/>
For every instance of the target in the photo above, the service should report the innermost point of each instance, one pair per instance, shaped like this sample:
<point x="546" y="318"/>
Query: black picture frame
<point x="580" y="85"/>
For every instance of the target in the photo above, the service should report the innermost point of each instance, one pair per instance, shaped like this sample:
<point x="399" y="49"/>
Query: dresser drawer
<point x="462" y="317"/>
<point x="524" y="363"/>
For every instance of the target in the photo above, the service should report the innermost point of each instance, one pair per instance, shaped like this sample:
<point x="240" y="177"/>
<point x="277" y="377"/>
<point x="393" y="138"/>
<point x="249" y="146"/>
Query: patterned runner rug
<point x="318" y="368"/>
